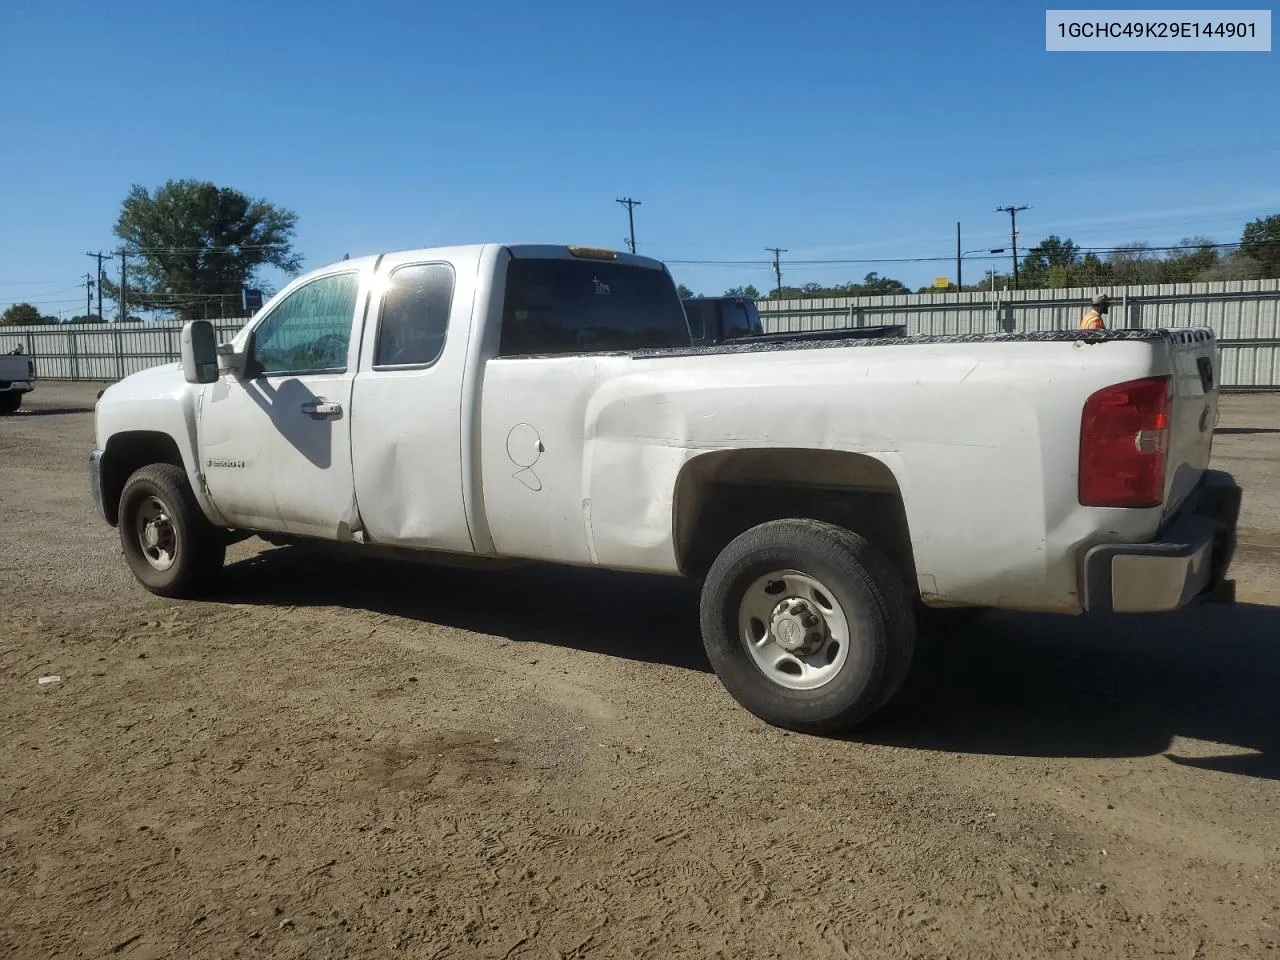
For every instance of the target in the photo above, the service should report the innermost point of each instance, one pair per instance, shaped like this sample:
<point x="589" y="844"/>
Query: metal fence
<point x="100" y="351"/>
<point x="1244" y="314"/>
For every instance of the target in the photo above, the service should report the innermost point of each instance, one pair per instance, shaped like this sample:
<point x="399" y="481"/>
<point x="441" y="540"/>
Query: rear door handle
<point x="321" y="409"/>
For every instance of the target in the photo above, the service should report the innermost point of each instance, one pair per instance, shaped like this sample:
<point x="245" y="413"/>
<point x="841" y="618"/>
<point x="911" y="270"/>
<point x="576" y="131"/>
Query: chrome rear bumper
<point x="1188" y="560"/>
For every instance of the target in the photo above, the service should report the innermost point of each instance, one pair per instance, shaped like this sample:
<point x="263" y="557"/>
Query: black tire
<point x="197" y="548"/>
<point x="868" y="588"/>
<point x="10" y="401"/>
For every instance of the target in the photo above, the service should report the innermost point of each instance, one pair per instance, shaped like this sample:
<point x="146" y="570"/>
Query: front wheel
<point x="807" y="625"/>
<point x="169" y="544"/>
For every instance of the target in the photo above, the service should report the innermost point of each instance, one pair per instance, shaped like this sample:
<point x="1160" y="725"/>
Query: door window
<point x="309" y="331"/>
<point x="415" y="315"/>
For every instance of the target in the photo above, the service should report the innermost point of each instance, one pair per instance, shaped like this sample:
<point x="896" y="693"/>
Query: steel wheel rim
<point x="774" y="627"/>
<point x="156" y="535"/>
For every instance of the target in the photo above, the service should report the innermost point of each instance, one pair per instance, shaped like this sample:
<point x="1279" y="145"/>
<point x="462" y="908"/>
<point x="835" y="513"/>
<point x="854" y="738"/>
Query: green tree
<point x="20" y="314"/>
<point x="684" y="292"/>
<point x="874" y="285"/>
<point x="1261" y="242"/>
<point x="1092" y="271"/>
<point x="87" y="318"/>
<point x="1194" y="257"/>
<point x="1050" y="252"/>
<point x="1238" y="266"/>
<point x="748" y="292"/>
<point x="193" y="245"/>
<point x="1134" y="264"/>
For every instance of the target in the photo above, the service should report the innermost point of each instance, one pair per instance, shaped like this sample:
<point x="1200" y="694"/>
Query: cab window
<point x="309" y="331"/>
<point x="415" y="315"/>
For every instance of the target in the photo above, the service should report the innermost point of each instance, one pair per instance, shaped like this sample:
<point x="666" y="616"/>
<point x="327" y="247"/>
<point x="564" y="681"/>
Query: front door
<point x="275" y="441"/>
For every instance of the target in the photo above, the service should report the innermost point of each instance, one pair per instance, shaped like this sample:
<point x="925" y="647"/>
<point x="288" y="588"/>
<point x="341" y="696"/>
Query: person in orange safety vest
<point x="1098" y="308"/>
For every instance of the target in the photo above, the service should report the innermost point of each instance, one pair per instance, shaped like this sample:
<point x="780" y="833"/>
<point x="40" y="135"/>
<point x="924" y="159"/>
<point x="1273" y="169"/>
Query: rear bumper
<point x="95" y="485"/>
<point x="17" y="386"/>
<point x="1188" y="560"/>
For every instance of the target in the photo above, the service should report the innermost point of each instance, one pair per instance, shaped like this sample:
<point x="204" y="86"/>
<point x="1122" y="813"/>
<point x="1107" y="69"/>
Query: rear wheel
<point x="807" y="625"/>
<point x="168" y="543"/>
<point x="10" y="401"/>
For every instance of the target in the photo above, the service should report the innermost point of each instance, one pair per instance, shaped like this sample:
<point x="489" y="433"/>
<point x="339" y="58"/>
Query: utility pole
<point x="88" y="295"/>
<point x="959" y="282"/>
<point x="1013" y="235"/>
<point x="99" y="256"/>
<point x="124" y="259"/>
<point x="631" y="219"/>
<point x="777" y="266"/>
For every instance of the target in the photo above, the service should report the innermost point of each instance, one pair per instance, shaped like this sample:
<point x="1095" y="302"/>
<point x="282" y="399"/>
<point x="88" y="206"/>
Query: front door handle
<point x="321" y="409"/>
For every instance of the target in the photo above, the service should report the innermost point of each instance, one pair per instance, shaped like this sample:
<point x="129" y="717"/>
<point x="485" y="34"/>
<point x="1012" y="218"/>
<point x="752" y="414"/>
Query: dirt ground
<point x="360" y="760"/>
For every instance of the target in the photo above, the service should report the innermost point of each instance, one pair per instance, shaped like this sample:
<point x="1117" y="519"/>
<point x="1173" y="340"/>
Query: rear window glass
<point x="737" y="321"/>
<point x="698" y="312"/>
<point x="588" y="306"/>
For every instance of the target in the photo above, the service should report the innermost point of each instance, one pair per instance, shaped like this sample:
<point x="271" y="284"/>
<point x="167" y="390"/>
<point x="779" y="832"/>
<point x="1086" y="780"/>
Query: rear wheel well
<point x="720" y="495"/>
<point x="127" y="452"/>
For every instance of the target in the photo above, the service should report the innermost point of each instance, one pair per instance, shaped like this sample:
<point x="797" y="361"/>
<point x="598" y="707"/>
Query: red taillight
<point x="1124" y="435"/>
<point x="31" y="369"/>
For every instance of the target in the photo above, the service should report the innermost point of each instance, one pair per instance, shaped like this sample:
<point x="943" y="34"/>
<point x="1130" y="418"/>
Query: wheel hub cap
<point x="797" y="626"/>
<point x="155" y="534"/>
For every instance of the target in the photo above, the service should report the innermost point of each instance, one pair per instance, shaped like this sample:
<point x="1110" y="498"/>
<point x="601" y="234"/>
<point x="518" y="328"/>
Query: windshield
<point x="589" y="306"/>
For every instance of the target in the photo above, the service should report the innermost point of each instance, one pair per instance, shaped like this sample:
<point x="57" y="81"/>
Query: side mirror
<point x="229" y="361"/>
<point x="199" y="352"/>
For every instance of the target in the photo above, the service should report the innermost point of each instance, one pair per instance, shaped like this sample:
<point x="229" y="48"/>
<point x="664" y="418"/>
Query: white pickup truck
<point x="17" y="378"/>
<point x="544" y="403"/>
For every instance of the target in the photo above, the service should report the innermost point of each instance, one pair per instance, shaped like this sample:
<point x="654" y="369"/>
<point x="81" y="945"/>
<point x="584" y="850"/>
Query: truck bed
<point x="756" y="345"/>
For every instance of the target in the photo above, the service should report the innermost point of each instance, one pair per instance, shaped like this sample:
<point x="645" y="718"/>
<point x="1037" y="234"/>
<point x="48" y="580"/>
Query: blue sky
<point x="836" y="130"/>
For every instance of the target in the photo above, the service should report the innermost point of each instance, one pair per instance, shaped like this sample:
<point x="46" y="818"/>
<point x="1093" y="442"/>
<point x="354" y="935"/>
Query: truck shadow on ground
<point x="644" y="618"/>
<point x="1026" y="685"/>
<point x="1009" y="684"/>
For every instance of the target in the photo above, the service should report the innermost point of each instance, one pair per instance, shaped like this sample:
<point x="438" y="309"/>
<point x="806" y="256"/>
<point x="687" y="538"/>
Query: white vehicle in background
<point x="17" y="378"/>
<point x="546" y="403"/>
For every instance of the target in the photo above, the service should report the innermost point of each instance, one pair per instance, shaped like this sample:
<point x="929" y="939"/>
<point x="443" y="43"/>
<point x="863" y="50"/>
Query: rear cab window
<point x="566" y="306"/>
<point x="738" y="321"/>
<point x="699" y="312"/>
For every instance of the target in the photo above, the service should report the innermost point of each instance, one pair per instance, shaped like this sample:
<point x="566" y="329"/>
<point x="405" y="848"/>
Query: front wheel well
<point x="126" y="453"/>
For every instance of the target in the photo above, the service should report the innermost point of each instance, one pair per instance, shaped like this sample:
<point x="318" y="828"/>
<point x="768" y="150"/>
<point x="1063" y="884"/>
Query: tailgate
<point x="1193" y="413"/>
<point x="14" y="368"/>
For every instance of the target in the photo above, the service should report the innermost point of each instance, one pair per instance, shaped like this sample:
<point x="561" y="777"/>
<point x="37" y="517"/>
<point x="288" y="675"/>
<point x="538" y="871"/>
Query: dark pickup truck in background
<point x="714" y="320"/>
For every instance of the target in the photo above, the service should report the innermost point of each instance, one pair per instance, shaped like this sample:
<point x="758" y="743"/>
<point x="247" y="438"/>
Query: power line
<point x="947" y="258"/>
<point x="631" y="220"/>
<point x="211" y="248"/>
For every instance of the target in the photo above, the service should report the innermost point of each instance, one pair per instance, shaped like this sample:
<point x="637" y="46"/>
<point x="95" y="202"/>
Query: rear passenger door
<point x="406" y="413"/>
